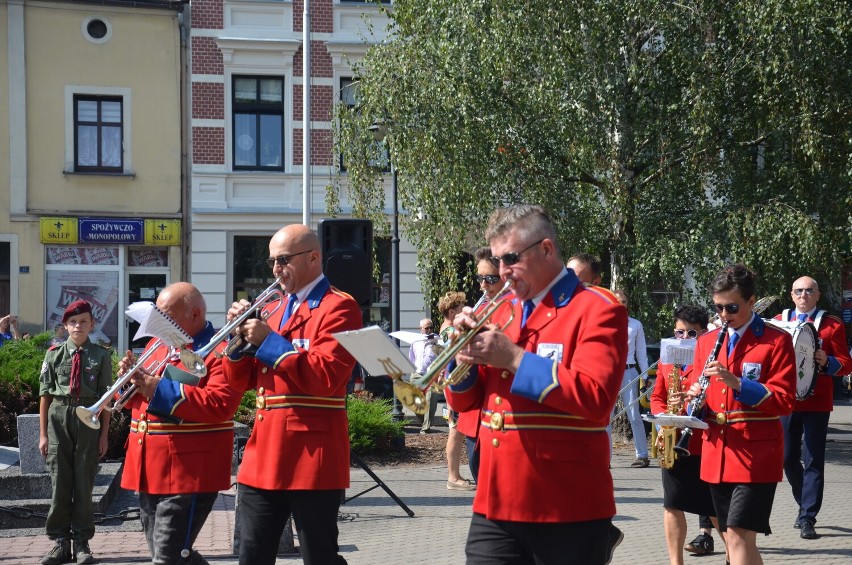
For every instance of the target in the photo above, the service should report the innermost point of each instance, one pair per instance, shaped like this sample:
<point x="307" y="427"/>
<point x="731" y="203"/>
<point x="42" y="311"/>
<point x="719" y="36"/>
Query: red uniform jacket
<point x="182" y="441"/>
<point x="745" y="441"/>
<point x="832" y="337"/>
<point x="660" y="395"/>
<point x="544" y="447"/>
<point x="300" y="439"/>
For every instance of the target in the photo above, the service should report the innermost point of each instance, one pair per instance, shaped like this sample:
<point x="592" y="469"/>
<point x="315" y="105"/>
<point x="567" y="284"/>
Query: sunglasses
<point x="729" y="308"/>
<point x="490" y="279"/>
<point x="283" y="260"/>
<point x="684" y="334"/>
<point x="510" y="259"/>
<point x="800" y="291"/>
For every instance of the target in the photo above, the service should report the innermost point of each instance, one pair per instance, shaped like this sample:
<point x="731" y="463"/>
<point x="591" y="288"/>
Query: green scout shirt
<point x="95" y="378"/>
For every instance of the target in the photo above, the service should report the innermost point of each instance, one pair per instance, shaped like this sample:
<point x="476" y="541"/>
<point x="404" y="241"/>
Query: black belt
<point x="71" y="401"/>
<point x="631" y="365"/>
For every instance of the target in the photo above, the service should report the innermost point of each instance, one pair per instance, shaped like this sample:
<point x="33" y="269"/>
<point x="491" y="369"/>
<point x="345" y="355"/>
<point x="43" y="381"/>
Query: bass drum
<point x="805" y="342"/>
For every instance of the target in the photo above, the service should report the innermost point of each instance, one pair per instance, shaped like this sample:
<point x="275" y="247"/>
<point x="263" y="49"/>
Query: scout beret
<point x="76" y="307"/>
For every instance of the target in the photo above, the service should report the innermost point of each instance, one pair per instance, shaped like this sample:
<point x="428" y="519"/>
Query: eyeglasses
<point x="490" y="279"/>
<point x="283" y="260"/>
<point x="684" y="334"/>
<point x="510" y="259"/>
<point x="729" y="308"/>
<point x="800" y="291"/>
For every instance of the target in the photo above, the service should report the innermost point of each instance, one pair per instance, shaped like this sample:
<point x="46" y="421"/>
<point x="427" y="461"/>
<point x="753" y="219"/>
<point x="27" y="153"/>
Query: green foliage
<point x="668" y="138"/>
<point x="371" y="426"/>
<point x="21" y="359"/>
<point x="247" y="408"/>
<point x="16" y="398"/>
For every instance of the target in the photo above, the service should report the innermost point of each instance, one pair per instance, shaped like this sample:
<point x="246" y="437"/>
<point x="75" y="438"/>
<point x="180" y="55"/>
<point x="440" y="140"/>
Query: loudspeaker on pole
<point x="347" y="250"/>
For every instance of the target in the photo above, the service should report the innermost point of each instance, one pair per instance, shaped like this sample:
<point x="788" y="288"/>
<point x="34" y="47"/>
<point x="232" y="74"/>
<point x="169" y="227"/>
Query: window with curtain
<point x="258" y="107"/>
<point x="98" y="134"/>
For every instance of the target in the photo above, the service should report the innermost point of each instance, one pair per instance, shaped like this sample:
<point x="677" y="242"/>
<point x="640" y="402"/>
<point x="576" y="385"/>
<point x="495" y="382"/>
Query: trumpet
<point x="90" y="415"/>
<point x="194" y="360"/>
<point x="412" y="396"/>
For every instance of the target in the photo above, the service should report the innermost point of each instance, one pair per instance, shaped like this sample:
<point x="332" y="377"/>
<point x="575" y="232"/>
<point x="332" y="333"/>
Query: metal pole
<point x="306" y="113"/>
<point x="397" y="405"/>
<point x="395" y="254"/>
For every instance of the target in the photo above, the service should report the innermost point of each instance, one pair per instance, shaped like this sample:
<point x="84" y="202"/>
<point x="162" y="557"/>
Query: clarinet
<point x="682" y="447"/>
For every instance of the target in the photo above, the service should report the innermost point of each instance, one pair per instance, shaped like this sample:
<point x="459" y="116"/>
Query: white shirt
<point x="422" y="353"/>
<point x="637" y="352"/>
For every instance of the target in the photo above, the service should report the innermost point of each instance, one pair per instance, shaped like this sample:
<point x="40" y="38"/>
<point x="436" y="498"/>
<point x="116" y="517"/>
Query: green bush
<point x="372" y="428"/>
<point x="247" y="408"/>
<point x="21" y="359"/>
<point x="15" y="398"/>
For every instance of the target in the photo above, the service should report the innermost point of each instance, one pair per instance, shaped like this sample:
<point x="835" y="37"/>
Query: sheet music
<point x="375" y="351"/>
<point x="677" y="351"/>
<point x="153" y="322"/>
<point x="408" y="337"/>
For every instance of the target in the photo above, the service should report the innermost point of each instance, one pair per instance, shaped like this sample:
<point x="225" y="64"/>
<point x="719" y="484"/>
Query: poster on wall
<point x="84" y="255"/>
<point x="98" y="288"/>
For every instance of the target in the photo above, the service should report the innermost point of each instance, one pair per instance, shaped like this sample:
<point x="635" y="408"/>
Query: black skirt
<point x="744" y="505"/>
<point x="684" y="490"/>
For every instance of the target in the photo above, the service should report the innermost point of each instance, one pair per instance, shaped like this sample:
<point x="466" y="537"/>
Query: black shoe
<point x="59" y="553"/>
<point x="702" y="544"/>
<point x="641" y="462"/>
<point x="798" y="524"/>
<point x="808" y="531"/>
<point x="82" y="552"/>
<point x="615" y="537"/>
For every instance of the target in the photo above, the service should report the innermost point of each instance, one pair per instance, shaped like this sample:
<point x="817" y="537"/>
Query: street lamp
<point x="380" y="132"/>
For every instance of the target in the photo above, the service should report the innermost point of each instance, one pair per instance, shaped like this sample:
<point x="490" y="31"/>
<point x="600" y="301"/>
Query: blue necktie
<point x="803" y="318"/>
<point x="288" y="310"/>
<point x="732" y="342"/>
<point x="529" y="306"/>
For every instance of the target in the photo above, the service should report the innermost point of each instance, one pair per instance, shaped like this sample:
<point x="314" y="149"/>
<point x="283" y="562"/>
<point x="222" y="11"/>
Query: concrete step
<point x="23" y="494"/>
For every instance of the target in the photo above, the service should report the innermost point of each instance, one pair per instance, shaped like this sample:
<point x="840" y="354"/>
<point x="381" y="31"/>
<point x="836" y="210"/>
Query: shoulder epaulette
<point x="833" y="317"/>
<point x="52" y="347"/>
<point x="604" y="293"/>
<point x="339" y="292"/>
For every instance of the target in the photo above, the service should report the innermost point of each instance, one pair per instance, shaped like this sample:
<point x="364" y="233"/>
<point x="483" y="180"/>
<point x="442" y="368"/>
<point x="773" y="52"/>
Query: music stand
<point x="378" y="355"/>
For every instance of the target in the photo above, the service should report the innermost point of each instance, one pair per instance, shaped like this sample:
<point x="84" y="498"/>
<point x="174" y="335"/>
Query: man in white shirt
<point x="421" y="354"/>
<point x="637" y="362"/>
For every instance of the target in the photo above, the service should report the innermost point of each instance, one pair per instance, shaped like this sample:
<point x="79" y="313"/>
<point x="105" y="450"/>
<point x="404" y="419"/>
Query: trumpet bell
<point x="193" y="362"/>
<point x="410" y="396"/>
<point x="88" y="417"/>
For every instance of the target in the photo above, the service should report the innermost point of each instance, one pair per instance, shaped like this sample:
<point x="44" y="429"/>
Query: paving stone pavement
<point x="375" y="530"/>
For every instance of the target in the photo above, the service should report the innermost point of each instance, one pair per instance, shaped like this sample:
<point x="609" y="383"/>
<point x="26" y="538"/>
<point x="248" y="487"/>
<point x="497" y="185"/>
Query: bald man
<point x="297" y="458"/>
<point x="181" y="437"/>
<point x="810" y="416"/>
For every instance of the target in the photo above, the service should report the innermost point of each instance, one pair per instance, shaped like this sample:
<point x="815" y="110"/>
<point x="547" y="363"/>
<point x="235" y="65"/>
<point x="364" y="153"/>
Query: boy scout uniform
<point x="72" y="452"/>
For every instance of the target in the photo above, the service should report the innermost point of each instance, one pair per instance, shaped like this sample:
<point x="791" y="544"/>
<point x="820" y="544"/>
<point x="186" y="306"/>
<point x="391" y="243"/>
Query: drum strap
<point x="788" y="313"/>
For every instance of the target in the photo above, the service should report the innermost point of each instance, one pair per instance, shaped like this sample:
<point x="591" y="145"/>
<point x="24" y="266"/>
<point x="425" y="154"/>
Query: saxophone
<point x="669" y="433"/>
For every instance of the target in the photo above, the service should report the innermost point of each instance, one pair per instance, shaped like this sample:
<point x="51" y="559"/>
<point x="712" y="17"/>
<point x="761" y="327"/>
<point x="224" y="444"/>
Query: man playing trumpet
<point x="546" y="387"/>
<point x="297" y="458"/>
<point x="181" y="437"/>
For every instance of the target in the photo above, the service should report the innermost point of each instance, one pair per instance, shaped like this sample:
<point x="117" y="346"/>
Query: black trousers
<point x="491" y="542"/>
<point x="264" y="513"/>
